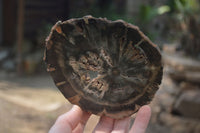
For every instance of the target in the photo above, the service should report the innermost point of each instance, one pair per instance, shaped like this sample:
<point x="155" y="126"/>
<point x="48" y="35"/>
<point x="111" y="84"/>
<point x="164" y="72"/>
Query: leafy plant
<point x="147" y="13"/>
<point x="183" y="9"/>
<point x="184" y="6"/>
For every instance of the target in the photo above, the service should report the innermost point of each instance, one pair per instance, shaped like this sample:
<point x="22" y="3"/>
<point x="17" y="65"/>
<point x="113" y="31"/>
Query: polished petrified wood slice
<point x="106" y="67"/>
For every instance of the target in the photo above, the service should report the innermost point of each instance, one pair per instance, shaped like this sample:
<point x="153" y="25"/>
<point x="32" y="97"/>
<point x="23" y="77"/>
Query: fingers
<point x="141" y="120"/>
<point x="75" y="120"/>
<point x="121" y="125"/>
<point x="71" y="118"/>
<point x="105" y="125"/>
<point x="68" y="121"/>
<point x="80" y="127"/>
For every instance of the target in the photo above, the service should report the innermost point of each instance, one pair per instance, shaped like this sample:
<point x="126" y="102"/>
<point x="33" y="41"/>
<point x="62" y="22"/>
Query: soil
<point x="31" y="104"/>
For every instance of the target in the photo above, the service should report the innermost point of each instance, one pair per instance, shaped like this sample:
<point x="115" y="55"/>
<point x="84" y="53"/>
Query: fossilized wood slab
<point x="106" y="67"/>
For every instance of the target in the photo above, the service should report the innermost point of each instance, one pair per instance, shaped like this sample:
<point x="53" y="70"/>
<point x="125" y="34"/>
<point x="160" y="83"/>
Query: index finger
<point x="142" y="119"/>
<point x="68" y="121"/>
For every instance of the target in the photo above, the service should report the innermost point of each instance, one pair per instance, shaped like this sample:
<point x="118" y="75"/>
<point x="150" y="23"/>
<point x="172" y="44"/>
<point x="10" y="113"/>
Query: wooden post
<point x="20" y="35"/>
<point x="9" y="16"/>
<point x="1" y="21"/>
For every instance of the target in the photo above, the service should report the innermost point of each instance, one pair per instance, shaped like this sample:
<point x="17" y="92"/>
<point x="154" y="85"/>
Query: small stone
<point x="178" y="124"/>
<point x="188" y="104"/>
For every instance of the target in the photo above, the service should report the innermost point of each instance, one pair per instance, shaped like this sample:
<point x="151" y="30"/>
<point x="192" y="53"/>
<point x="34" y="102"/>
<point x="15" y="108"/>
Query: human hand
<point x="75" y="120"/>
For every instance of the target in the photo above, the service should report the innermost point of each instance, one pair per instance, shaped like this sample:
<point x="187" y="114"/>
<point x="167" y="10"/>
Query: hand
<point x="75" y="121"/>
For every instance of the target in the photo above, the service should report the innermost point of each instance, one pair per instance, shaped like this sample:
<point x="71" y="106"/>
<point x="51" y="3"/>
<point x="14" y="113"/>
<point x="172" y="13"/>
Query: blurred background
<point x="29" y="100"/>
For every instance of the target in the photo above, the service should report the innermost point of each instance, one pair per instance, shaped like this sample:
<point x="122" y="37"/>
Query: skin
<point x="75" y="120"/>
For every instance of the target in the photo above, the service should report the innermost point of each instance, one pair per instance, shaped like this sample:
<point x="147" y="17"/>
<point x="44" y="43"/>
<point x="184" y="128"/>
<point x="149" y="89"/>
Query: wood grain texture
<point x="109" y="67"/>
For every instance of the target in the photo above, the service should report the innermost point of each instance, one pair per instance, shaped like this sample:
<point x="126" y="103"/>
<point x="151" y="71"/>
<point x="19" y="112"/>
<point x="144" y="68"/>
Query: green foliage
<point x="183" y="9"/>
<point x="163" y="9"/>
<point x="184" y="6"/>
<point x="147" y="13"/>
<point x="179" y="8"/>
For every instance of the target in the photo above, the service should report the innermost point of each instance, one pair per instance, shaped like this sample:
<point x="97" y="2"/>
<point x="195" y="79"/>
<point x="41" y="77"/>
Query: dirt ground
<point x="31" y="104"/>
